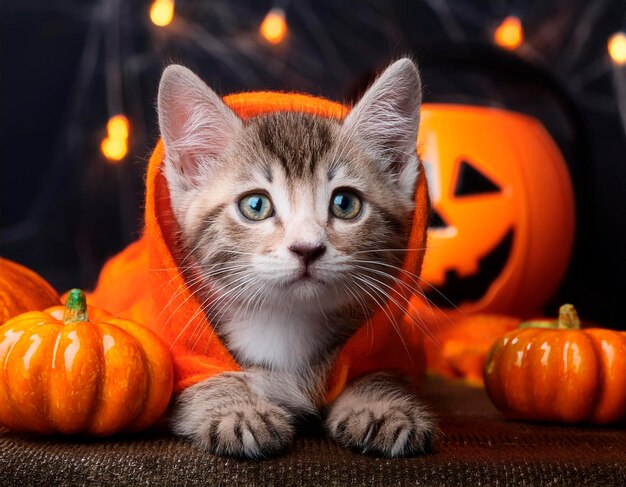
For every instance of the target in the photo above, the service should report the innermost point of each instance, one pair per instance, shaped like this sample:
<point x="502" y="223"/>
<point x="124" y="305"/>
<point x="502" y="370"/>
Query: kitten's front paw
<point x="379" y="414"/>
<point x="247" y="430"/>
<point x="226" y="417"/>
<point x="382" y="429"/>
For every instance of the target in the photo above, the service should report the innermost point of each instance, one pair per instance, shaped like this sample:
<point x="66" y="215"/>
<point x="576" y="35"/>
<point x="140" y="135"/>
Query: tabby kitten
<point x="281" y="218"/>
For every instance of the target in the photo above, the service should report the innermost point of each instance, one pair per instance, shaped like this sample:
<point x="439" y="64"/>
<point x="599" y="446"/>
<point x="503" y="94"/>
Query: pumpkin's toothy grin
<point x="459" y="289"/>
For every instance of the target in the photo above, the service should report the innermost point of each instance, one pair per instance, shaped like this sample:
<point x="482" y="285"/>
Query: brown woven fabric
<point x="477" y="447"/>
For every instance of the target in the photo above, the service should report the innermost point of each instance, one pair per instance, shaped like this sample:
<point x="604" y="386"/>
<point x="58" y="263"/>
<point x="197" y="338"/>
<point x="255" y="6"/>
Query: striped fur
<point x="285" y="328"/>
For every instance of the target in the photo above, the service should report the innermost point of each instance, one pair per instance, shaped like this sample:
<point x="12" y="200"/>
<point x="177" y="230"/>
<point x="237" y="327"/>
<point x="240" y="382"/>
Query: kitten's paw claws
<point x="392" y="432"/>
<point x="248" y="430"/>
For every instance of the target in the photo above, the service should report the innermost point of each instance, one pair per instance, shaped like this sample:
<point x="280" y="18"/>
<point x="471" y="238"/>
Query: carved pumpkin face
<point x="502" y="226"/>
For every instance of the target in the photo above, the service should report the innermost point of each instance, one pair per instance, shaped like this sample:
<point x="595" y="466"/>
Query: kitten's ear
<point x="386" y="120"/>
<point x="195" y="124"/>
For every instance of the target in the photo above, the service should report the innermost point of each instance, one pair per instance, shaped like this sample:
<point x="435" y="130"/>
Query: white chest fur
<point x="282" y="340"/>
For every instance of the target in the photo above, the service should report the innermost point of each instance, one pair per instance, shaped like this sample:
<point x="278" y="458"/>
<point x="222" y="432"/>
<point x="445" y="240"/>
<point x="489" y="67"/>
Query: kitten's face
<point x="299" y="207"/>
<point x="293" y="210"/>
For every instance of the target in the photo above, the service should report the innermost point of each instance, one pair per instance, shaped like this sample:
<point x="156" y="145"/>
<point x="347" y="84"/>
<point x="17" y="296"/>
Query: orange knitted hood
<point x="143" y="282"/>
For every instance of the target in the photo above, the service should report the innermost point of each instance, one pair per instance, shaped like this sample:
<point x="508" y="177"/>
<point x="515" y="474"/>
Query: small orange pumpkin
<point x="80" y="370"/>
<point x="23" y="290"/>
<point x="554" y="371"/>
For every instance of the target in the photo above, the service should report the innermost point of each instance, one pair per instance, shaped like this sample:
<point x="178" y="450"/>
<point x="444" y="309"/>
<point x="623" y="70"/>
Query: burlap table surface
<point x="477" y="447"/>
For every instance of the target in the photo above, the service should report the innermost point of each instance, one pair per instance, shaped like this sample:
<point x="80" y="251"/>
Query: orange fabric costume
<point x="144" y="283"/>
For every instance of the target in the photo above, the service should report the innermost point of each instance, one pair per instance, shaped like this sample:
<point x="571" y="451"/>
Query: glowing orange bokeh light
<point x="114" y="149"/>
<point x="117" y="127"/>
<point x="162" y="12"/>
<point x="274" y="26"/>
<point x="509" y="34"/>
<point x="115" y="145"/>
<point x="617" y="48"/>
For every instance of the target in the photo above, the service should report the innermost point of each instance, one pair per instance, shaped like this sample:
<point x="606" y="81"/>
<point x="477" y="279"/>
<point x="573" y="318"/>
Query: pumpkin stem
<point x="75" y="307"/>
<point x="568" y="318"/>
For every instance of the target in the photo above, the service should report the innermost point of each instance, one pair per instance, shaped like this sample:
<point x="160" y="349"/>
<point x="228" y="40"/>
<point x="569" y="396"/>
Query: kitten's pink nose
<point x="308" y="253"/>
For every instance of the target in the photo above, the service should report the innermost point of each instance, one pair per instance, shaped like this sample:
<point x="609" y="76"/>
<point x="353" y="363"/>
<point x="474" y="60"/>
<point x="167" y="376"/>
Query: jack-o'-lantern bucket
<point x="502" y="227"/>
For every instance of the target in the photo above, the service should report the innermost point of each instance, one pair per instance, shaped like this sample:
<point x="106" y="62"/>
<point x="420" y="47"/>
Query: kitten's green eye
<point x="345" y="205"/>
<point x="256" y="207"/>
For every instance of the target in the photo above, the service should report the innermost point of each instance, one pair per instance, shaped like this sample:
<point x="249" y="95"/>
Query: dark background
<point x="66" y="66"/>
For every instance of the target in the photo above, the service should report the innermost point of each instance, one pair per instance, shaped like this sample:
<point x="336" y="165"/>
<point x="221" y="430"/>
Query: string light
<point x="274" y="26"/>
<point x="118" y="127"/>
<point x="115" y="145"/>
<point x="162" y="12"/>
<point x="617" y="48"/>
<point x="509" y="34"/>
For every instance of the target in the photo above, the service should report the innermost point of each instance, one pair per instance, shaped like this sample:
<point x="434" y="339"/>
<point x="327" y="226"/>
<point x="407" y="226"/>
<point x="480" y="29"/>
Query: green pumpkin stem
<point x="75" y="307"/>
<point x="568" y="320"/>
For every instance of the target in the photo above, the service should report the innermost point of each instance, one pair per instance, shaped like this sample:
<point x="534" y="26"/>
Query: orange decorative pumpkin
<point x="23" y="290"/>
<point x="554" y="371"/>
<point x="64" y="371"/>
<point x="502" y="227"/>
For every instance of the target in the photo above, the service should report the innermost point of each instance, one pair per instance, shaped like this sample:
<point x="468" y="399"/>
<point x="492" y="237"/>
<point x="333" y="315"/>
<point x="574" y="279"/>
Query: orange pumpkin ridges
<point x="555" y="371"/>
<point x="80" y="370"/>
<point x="23" y="290"/>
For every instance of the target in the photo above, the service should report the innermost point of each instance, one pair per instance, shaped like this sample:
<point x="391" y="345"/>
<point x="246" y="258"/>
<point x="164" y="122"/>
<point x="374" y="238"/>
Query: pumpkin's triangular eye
<point x="435" y="220"/>
<point x="472" y="181"/>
